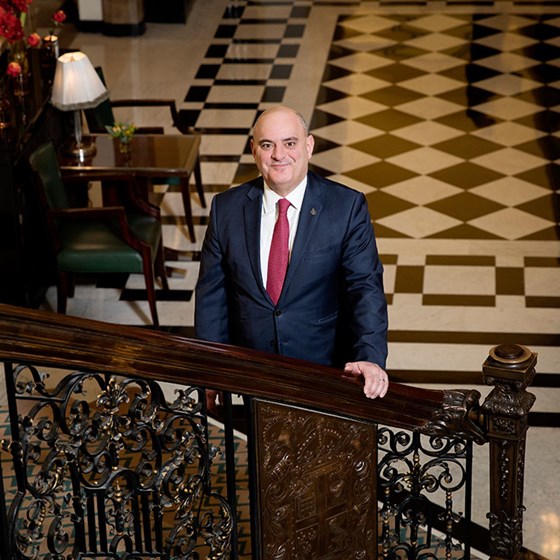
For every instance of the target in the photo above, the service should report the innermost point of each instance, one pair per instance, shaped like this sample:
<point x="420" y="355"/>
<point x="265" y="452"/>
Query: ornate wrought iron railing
<point x="101" y="458"/>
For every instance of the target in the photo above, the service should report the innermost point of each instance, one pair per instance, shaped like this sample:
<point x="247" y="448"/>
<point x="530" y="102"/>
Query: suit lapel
<point x="252" y="212"/>
<point x="311" y="209"/>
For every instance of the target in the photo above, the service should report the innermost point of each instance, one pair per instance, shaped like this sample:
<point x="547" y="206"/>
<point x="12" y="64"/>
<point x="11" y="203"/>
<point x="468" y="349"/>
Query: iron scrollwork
<point x="106" y="466"/>
<point x="412" y="467"/>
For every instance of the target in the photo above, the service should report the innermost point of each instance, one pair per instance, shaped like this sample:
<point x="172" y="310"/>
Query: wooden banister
<point x="72" y="342"/>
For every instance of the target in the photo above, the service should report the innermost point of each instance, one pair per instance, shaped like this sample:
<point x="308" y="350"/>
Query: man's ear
<point x="310" y="144"/>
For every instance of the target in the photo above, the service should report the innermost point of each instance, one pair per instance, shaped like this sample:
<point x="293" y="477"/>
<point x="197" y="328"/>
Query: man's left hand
<point x="376" y="380"/>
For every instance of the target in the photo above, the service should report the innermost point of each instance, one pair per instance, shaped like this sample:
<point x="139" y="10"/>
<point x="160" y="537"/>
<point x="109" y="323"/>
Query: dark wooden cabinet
<point x="26" y="265"/>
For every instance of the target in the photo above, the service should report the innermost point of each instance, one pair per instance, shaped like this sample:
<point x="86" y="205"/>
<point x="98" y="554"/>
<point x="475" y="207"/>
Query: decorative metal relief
<point x="459" y="417"/>
<point x="106" y="467"/>
<point x="507" y="533"/>
<point x="317" y="485"/>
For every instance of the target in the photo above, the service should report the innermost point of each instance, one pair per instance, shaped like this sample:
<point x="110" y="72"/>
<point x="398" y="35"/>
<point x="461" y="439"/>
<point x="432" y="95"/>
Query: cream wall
<point x="90" y="10"/>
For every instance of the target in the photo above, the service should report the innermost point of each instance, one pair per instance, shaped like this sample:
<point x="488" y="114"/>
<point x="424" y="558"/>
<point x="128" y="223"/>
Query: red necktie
<point x="279" y="252"/>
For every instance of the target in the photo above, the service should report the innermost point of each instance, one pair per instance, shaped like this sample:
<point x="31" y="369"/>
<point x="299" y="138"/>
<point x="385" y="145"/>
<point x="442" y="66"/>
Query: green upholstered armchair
<point x="98" y="240"/>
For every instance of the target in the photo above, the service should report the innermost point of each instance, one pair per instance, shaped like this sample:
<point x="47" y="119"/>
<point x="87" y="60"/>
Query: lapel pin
<point x="313" y="211"/>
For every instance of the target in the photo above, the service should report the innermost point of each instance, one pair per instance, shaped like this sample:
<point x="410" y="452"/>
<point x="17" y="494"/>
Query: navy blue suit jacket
<point x="332" y="308"/>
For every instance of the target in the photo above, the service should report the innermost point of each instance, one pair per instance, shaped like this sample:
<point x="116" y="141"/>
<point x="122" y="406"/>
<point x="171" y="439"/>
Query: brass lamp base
<point x="80" y="151"/>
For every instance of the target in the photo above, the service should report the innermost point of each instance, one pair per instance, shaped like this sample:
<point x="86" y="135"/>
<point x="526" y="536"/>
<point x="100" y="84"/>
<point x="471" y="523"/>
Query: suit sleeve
<point x="363" y="276"/>
<point x="211" y="309"/>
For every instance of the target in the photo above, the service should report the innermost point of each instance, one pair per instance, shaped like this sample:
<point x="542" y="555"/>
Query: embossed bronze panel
<point x="317" y="485"/>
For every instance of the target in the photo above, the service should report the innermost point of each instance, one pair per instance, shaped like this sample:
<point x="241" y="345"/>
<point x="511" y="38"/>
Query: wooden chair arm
<point x="88" y="214"/>
<point x="77" y="176"/>
<point x="148" y="103"/>
<point x="178" y="123"/>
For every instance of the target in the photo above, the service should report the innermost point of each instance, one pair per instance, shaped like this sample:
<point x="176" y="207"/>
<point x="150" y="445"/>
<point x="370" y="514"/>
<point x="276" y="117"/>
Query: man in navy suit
<point x="332" y="308"/>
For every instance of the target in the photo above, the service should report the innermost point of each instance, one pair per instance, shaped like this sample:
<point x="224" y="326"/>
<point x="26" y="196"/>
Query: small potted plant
<point x="124" y="132"/>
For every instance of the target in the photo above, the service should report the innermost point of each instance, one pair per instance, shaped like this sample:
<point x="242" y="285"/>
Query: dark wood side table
<point x="151" y="156"/>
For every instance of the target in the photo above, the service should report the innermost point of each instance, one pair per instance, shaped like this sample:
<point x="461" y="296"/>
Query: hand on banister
<point x="376" y="380"/>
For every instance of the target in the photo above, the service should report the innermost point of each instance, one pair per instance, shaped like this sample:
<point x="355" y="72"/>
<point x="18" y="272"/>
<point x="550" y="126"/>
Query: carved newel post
<point x="510" y="369"/>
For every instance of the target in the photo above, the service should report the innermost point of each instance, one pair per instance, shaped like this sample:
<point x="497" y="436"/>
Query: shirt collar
<point x="270" y="198"/>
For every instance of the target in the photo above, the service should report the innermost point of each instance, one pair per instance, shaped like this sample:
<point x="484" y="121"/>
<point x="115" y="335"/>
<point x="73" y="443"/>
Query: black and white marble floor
<point x="445" y="115"/>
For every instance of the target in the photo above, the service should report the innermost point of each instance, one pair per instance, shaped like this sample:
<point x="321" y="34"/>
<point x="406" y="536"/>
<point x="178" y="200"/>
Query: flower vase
<point x="18" y="53"/>
<point x="124" y="145"/>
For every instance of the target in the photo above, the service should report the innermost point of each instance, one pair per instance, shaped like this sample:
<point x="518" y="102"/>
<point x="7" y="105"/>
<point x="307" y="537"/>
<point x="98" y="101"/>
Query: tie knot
<point x="283" y="205"/>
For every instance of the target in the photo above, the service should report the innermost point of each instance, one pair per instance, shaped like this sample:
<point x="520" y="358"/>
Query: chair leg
<point x="160" y="266"/>
<point x="185" y="195"/>
<point x="71" y="284"/>
<point x="61" y="292"/>
<point x="198" y="182"/>
<point x="150" y="284"/>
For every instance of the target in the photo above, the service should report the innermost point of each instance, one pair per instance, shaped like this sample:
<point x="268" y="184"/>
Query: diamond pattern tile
<point x="418" y="222"/>
<point x="356" y="84"/>
<point x="431" y="84"/>
<point x="433" y="62"/>
<point x="508" y="84"/>
<point x="343" y="159"/>
<point x="465" y="206"/>
<point x="347" y="132"/>
<point x="437" y="23"/>
<point x="425" y="160"/>
<point x="510" y="191"/>
<point x="506" y="41"/>
<point x="507" y="108"/>
<point x="427" y="133"/>
<point x="507" y="62"/>
<point x="508" y="161"/>
<point x="429" y="108"/>
<point x="352" y="107"/>
<point x="510" y="223"/>
<point x="508" y="133"/>
<point x="467" y="147"/>
<point x="385" y="146"/>
<point x="435" y="42"/>
<point x="421" y="190"/>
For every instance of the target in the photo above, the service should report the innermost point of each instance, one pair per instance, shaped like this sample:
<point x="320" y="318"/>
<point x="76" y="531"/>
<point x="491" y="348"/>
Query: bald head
<point x="281" y="109"/>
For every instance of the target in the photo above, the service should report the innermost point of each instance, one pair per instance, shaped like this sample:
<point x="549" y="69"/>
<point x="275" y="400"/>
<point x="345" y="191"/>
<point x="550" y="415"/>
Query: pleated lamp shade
<point x="76" y="83"/>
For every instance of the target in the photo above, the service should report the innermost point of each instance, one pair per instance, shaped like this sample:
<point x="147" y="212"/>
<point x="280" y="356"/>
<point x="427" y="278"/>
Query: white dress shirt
<point x="268" y="220"/>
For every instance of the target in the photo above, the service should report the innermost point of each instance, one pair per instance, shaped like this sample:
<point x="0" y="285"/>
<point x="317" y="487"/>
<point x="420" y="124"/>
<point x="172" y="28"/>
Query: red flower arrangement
<point x="12" y="21"/>
<point x="12" y="16"/>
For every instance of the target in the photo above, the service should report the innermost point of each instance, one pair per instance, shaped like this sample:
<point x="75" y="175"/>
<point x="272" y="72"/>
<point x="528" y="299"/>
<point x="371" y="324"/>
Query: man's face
<point x="281" y="149"/>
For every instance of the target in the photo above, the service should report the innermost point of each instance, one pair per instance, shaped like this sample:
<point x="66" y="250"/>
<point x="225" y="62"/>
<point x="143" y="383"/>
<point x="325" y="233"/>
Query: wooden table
<point x="151" y="156"/>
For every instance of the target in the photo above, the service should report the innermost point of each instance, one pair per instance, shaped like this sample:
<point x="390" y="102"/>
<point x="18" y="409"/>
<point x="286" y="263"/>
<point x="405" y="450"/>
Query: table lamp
<point x="77" y="86"/>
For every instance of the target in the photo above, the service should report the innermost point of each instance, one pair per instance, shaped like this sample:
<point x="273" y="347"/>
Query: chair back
<point x="101" y="116"/>
<point x="44" y="163"/>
